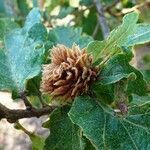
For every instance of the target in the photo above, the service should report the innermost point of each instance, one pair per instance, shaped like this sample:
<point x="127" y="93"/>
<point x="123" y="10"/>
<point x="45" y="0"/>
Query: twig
<point x="128" y="10"/>
<point x="102" y="19"/>
<point x="95" y="30"/>
<point x="26" y="102"/>
<point x="12" y="115"/>
<point x="18" y="125"/>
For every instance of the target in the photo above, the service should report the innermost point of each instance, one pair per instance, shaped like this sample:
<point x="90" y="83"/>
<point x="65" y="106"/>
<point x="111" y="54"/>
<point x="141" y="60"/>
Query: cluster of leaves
<point x="84" y="13"/>
<point x="90" y="123"/>
<point x="78" y="12"/>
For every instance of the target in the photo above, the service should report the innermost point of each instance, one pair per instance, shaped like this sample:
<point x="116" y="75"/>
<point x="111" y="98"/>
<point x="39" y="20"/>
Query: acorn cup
<point x="69" y="74"/>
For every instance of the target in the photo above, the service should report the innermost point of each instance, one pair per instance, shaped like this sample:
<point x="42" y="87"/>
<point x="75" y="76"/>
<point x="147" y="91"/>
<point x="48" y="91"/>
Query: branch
<point x="12" y="115"/>
<point x="102" y="19"/>
<point x="19" y="126"/>
<point x="128" y="10"/>
<point x="25" y="100"/>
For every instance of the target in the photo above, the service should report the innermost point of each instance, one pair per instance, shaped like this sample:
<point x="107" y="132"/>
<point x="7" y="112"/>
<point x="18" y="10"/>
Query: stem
<point x="23" y="129"/>
<point x="26" y="102"/>
<point x="128" y="10"/>
<point x="101" y="18"/>
<point x="12" y="115"/>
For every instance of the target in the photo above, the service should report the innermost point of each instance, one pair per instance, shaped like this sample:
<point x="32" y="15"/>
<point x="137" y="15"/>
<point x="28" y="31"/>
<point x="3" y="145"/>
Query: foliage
<point x="106" y="130"/>
<point x="114" y="113"/>
<point x="64" y="135"/>
<point x="22" y="57"/>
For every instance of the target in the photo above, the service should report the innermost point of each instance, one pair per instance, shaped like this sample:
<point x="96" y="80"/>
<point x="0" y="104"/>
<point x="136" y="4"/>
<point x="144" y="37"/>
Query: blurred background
<point x="77" y="13"/>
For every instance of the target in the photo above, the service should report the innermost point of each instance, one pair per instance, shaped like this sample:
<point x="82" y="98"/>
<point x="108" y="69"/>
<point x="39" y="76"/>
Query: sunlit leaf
<point x="141" y="35"/>
<point x="118" y="68"/>
<point x="116" y="38"/>
<point x="106" y="130"/>
<point x="23" y="54"/>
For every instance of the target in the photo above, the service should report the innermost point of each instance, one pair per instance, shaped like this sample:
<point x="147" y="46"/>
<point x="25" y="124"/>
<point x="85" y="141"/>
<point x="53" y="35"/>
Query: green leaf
<point x="95" y="48"/>
<point x="35" y="3"/>
<point x="104" y="92"/>
<point x="6" y="25"/>
<point x="141" y="35"/>
<point x="116" y="38"/>
<point x="89" y="146"/>
<point x="118" y="68"/>
<point x="146" y="74"/>
<point x="119" y="35"/>
<point x="86" y="2"/>
<point x="68" y="36"/>
<point x="37" y="142"/>
<point x="63" y="134"/>
<point x="140" y="100"/>
<point x="24" y="51"/>
<point x="107" y="130"/>
<point x="23" y="7"/>
<point x="33" y="17"/>
<point x="2" y="7"/>
<point x="89" y="23"/>
<point x="33" y="86"/>
<point x="35" y="101"/>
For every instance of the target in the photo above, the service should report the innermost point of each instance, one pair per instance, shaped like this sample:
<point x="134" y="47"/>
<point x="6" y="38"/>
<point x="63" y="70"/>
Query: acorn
<point x="69" y="74"/>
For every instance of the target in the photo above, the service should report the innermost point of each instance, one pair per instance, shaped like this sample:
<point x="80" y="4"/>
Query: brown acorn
<point x="69" y="74"/>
